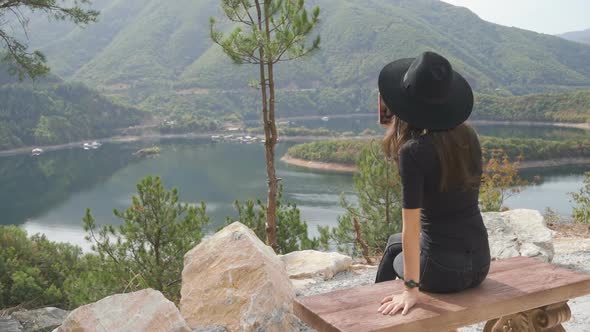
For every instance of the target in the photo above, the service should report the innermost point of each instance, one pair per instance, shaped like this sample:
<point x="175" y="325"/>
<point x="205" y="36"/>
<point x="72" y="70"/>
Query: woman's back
<point x="451" y="219"/>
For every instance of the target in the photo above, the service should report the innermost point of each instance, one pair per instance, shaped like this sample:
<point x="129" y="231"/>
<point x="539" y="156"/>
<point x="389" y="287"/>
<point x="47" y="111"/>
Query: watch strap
<point x="411" y="284"/>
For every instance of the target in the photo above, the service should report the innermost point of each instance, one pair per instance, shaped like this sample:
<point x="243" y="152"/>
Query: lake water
<point x="49" y="193"/>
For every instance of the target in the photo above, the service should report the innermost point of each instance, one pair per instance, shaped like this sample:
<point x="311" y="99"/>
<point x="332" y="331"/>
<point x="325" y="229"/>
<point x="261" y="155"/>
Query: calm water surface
<point x="50" y="193"/>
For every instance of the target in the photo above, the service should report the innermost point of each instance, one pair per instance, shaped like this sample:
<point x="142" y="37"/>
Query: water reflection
<point x="50" y="193"/>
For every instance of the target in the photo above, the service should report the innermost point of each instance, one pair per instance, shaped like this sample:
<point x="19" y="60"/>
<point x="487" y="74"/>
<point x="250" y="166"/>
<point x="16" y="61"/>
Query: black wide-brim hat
<point x="426" y="92"/>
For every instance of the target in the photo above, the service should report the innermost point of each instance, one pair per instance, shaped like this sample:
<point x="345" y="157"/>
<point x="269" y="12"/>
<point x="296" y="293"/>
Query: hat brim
<point x="441" y="116"/>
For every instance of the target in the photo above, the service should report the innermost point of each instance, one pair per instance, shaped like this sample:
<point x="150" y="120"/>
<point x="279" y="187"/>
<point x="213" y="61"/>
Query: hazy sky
<point x="546" y="16"/>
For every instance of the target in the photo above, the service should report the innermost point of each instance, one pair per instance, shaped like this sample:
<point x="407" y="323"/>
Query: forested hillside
<point x="347" y="151"/>
<point x="156" y="46"/>
<point x="158" y="55"/>
<point x="565" y="107"/>
<point x="53" y="112"/>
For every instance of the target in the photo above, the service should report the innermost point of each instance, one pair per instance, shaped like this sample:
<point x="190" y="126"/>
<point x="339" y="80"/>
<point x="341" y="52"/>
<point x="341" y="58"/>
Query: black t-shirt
<point x="451" y="221"/>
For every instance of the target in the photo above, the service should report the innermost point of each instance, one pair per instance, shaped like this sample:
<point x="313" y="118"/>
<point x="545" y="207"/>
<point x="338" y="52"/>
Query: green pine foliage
<point x="35" y="271"/>
<point x="581" y="199"/>
<point x="292" y="230"/>
<point x="22" y="61"/>
<point x="377" y="213"/>
<point x="147" y="250"/>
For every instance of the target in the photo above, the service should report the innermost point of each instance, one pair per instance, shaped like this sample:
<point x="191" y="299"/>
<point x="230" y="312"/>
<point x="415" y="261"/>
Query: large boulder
<point x="233" y="279"/>
<point x="145" y="310"/>
<point x="313" y="264"/>
<point x="519" y="233"/>
<point x="40" y="320"/>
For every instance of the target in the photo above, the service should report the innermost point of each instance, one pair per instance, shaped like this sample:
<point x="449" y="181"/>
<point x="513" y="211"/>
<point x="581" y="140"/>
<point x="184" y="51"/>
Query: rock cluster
<point x="519" y="233"/>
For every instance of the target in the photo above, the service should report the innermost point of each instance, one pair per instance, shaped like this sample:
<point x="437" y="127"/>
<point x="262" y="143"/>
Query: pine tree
<point x="268" y="31"/>
<point x="147" y="250"/>
<point x="22" y="61"/>
<point x="366" y="225"/>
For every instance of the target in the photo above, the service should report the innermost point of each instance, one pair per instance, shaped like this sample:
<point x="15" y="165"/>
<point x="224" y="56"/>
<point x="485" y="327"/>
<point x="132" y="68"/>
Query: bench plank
<point x="513" y="285"/>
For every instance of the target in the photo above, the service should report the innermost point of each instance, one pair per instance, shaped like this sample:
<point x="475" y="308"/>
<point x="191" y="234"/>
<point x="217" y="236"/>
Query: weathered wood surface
<point x="515" y="285"/>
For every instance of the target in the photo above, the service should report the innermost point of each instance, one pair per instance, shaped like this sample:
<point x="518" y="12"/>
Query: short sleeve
<point x="412" y="177"/>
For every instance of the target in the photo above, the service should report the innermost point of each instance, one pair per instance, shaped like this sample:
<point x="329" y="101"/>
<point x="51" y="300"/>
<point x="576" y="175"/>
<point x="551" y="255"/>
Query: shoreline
<point x="580" y="125"/>
<point x="128" y="139"/>
<point x="320" y="166"/>
<point x="113" y="139"/>
<point x="351" y="169"/>
<point x="584" y="126"/>
<point x="136" y="138"/>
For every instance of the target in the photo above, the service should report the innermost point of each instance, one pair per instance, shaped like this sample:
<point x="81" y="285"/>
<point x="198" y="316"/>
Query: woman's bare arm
<point x="411" y="244"/>
<point x="411" y="251"/>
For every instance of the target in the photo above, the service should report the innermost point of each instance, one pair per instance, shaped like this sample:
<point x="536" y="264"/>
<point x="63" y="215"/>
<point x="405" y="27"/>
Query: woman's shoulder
<point x="417" y="145"/>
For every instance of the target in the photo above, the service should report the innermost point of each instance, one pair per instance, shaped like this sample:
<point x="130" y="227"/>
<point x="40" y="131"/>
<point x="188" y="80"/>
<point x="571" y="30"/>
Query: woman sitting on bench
<point x="425" y="104"/>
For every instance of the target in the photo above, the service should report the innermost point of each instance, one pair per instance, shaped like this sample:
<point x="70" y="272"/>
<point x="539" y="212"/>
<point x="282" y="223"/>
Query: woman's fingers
<point x="386" y="308"/>
<point x="387" y="299"/>
<point x="396" y="309"/>
<point x="406" y="309"/>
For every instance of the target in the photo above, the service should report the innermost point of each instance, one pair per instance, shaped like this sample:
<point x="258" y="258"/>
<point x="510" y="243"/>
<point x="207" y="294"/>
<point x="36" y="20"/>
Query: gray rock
<point x="40" y="320"/>
<point x="308" y="264"/>
<point x="10" y="325"/>
<point x="212" y="329"/>
<point x="519" y="233"/>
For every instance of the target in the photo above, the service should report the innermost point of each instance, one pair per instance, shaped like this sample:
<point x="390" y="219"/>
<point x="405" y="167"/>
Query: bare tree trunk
<point x="268" y="124"/>
<point x="271" y="214"/>
<point x="361" y="242"/>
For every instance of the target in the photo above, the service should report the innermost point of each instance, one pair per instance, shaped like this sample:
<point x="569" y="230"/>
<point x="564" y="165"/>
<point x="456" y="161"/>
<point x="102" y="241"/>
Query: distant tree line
<point x="347" y="151"/>
<point x="59" y="113"/>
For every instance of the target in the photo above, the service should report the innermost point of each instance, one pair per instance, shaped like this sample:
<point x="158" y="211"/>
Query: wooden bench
<point x="520" y="295"/>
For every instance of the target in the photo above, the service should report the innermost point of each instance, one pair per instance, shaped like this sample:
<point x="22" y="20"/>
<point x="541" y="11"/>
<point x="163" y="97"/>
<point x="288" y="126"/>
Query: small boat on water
<point x="325" y="118"/>
<point x="94" y="145"/>
<point x="37" y="151"/>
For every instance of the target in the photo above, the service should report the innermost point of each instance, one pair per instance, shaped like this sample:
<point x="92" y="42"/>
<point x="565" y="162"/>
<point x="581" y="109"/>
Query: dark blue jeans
<point x="440" y="271"/>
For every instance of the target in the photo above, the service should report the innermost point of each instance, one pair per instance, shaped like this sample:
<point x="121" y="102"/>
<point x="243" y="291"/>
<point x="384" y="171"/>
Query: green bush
<point x="34" y="271"/>
<point x="378" y="212"/>
<point x="292" y="232"/>
<point x="147" y="250"/>
<point x="582" y="201"/>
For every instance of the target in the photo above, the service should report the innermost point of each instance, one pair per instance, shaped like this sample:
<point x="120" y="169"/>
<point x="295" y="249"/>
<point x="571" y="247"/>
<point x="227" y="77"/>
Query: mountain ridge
<point x="582" y="36"/>
<point x="143" y="45"/>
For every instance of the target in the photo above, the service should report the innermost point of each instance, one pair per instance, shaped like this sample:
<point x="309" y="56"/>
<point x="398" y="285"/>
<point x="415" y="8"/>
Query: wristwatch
<point x="411" y="284"/>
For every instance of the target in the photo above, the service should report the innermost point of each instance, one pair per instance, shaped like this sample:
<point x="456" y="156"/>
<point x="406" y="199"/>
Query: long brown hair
<point x="458" y="151"/>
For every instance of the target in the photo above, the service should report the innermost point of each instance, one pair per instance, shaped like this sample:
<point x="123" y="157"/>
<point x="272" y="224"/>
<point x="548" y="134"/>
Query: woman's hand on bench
<point x="390" y="305"/>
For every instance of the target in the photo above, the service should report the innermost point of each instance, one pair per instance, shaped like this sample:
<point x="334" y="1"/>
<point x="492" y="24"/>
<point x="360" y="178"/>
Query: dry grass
<point x="565" y="230"/>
